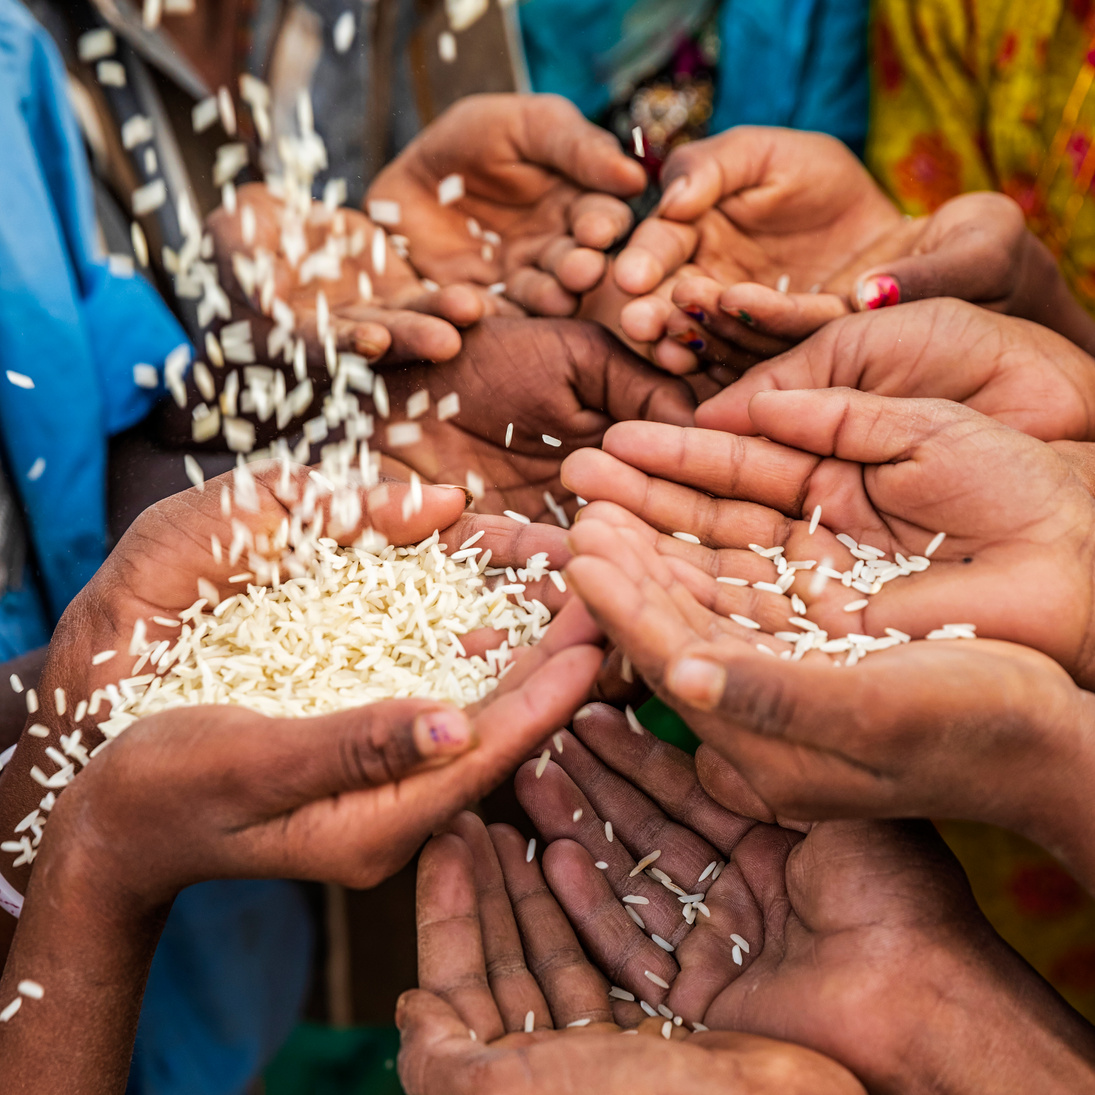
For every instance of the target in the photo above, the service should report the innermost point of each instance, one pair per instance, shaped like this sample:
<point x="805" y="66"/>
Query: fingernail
<point x="673" y="191"/>
<point x="442" y="733"/>
<point x="691" y="338"/>
<point x="880" y="292"/>
<point x="697" y="314"/>
<point x="697" y="681"/>
<point x="745" y="317"/>
<point x="468" y="496"/>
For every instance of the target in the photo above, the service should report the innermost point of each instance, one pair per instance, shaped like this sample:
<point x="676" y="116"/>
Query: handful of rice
<point x="361" y="625"/>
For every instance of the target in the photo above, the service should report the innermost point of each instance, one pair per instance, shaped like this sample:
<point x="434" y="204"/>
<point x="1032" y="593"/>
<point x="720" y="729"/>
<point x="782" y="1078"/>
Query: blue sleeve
<point x="68" y="327"/>
<point x="796" y="63"/>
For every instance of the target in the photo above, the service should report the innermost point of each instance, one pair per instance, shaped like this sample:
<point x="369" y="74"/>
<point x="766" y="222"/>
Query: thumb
<point x="434" y="1040"/>
<point x="697" y="176"/>
<point x="851" y="425"/>
<point x="362" y="747"/>
<point x="810" y="365"/>
<point x="970" y="249"/>
<point x="555" y="134"/>
<point x="634" y="389"/>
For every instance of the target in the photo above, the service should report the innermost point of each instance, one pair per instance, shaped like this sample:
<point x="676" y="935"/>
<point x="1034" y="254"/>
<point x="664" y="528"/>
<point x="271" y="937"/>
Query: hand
<point x="194" y="794"/>
<point x="155" y="570"/>
<point x="1016" y="563"/>
<point x="1020" y="373"/>
<point x="564" y="379"/>
<point x="541" y="184"/>
<point x="494" y="945"/>
<point x="401" y="317"/>
<point x="976" y="247"/>
<point x="748" y="206"/>
<point x="863" y="940"/>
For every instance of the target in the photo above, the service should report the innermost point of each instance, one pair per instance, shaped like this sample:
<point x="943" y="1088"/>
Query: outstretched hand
<point x="860" y="939"/>
<point x="563" y="381"/>
<point x="750" y="207"/>
<point x="510" y="1002"/>
<point x="537" y="198"/>
<point x="891" y="473"/>
<point x="1018" y="372"/>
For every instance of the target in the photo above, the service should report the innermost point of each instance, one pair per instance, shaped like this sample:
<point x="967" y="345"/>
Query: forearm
<point x="91" y="956"/>
<point x="988" y="1022"/>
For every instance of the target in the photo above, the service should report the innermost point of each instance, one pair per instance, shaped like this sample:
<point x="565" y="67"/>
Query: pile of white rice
<point x="361" y="625"/>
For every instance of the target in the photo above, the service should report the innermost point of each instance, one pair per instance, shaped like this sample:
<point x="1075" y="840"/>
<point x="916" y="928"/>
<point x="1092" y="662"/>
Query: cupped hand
<point x="892" y="473"/>
<point x="753" y="205"/>
<point x="1015" y="371"/>
<point x="198" y="793"/>
<point x="495" y="948"/>
<point x="860" y="940"/>
<point x="540" y="199"/>
<point x="563" y="380"/>
<point x="185" y="547"/>
<point x="374" y="309"/>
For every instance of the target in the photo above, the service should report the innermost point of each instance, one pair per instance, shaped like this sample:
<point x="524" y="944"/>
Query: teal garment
<point x="797" y="63"/>
<point x="802" y="64"/>
<point x="69" y="326"/>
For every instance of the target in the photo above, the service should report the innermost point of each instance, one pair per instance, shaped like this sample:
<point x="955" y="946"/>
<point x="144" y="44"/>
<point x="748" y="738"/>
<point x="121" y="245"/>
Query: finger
<point x="969" y="254"/>
<point x="361" y="747"/>
<point x="435" y="1050"/>
<point x="720" y="347"/>
<point x="574" y="989"/>
<point x="656" y="249"/>
<point x="644" y="319"/>
<point x="553" y="133"/>
<point x="597" y="221"/>
<point x="670" y="355"/>
<point x="413" y="335"/>
<point x="667" y="476"/>
<point x="628" y="388"/>
<point x="516" y="990"/>
<point x="613" y="940"/>
<point x="553" y="800"/>
<point x="540" y="293"/>
<point x="850" y="425"/>
<point x="666" y="775"/>
<point x="790" y="317"/>
<point x="577" y="269"/>
<point x="451" y="963"/>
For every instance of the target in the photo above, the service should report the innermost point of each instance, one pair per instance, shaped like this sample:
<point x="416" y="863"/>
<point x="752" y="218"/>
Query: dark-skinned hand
<point x="891" y="473"/>
<point x="542" y="190"/>
<point x="565" y="379"/>
<point x="494" y="946"/>
<point x="861" y="939"/>
<point x="1015" y="371"/>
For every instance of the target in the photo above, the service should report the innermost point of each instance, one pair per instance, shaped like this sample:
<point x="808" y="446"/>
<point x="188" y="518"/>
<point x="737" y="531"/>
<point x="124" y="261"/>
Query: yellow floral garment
<point x="998" y="95"/>
<point x="991" y="95"/>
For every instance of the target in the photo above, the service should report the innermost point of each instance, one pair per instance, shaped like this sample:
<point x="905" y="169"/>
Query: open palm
<point x="891" y="473"/>
<point x="1018" y="372"/>
<point x="844" y="940"/>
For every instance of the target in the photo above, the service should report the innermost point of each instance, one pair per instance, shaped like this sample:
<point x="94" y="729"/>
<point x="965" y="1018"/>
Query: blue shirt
<point x="69" y="326"/>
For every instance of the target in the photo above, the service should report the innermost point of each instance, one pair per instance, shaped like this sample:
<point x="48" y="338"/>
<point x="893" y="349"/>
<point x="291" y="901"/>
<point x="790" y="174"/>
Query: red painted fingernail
<point x="697" y="314"/>
<point x="880" y="292"/>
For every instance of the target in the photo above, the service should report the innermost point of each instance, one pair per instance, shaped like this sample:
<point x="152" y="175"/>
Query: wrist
<point x="987" y="1022"/>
